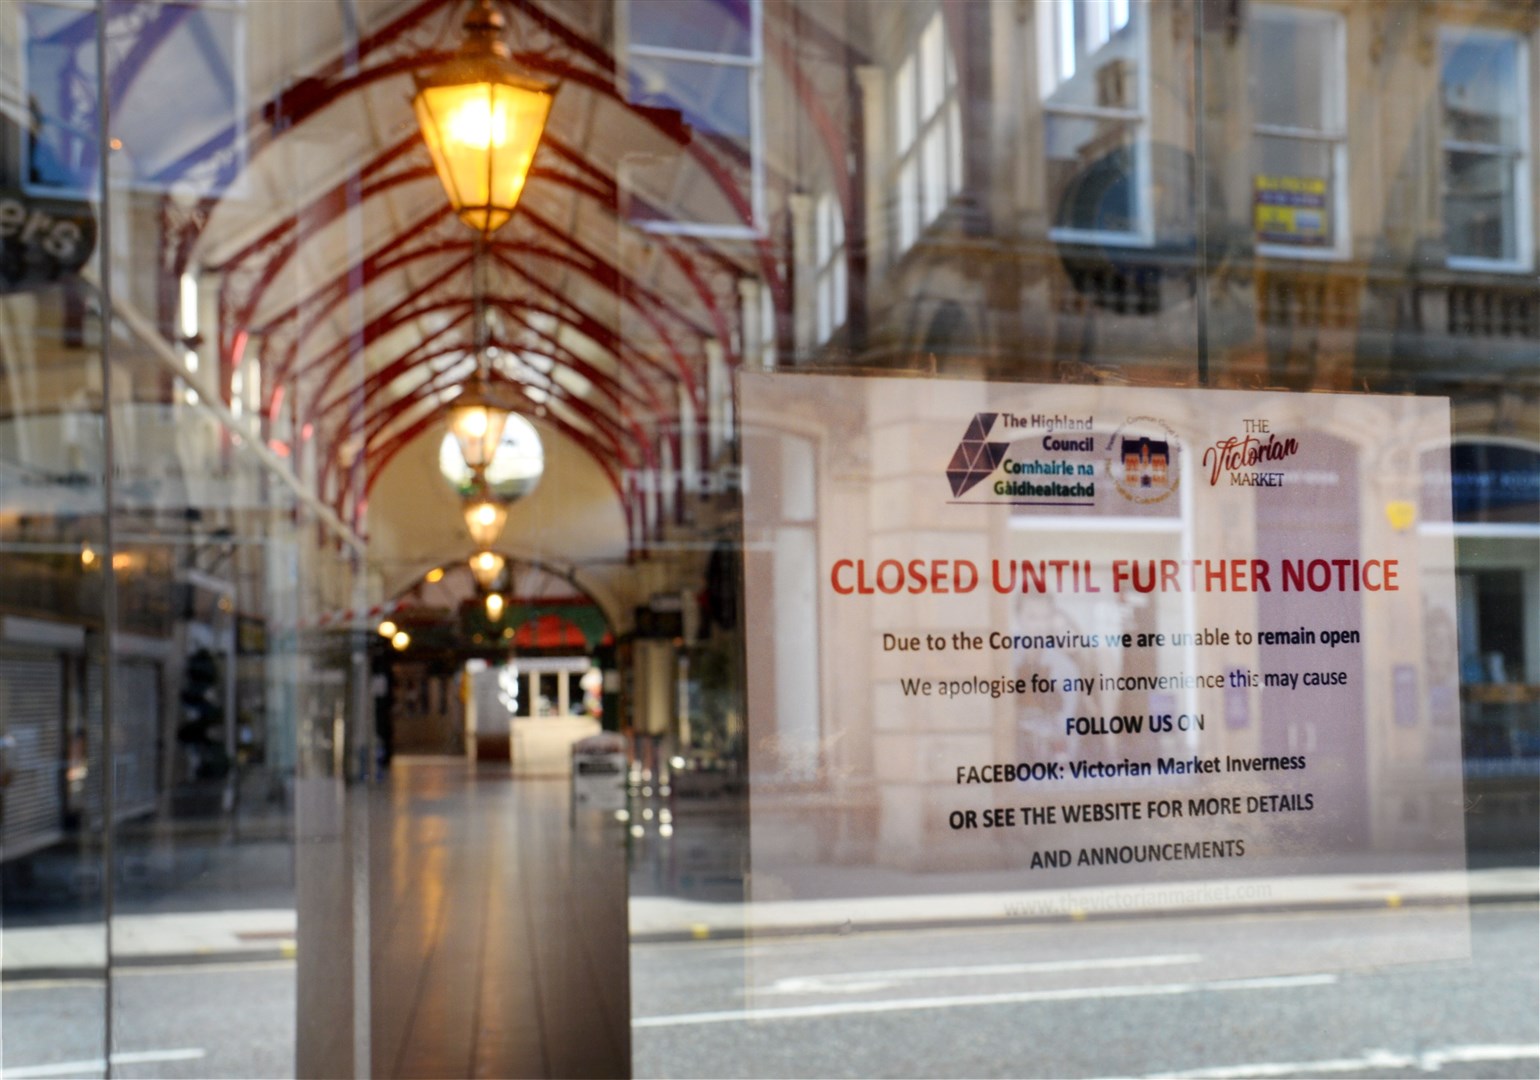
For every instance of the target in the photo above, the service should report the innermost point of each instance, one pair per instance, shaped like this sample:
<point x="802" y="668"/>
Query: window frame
<point x="1339" y="204"/>
<point x="1050" y="39"/>
<point x="1518" y="154"/>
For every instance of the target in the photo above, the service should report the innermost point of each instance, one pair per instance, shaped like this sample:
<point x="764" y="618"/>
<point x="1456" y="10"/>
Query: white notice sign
<point x="1068" y="646"/>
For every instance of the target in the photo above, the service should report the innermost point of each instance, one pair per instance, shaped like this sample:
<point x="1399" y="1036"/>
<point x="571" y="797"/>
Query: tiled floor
<point x="498" y="928"/>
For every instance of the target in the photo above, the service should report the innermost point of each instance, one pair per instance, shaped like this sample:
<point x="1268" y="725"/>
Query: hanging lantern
<point x="477" y="419"/>
<point x="485" y="517"/>
<point x="495" y="606"/>
<point x="482" y="120"/>
<point x="485" y="567"/>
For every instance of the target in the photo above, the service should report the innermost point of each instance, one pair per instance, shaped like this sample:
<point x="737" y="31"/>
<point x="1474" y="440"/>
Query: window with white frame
<point x="1093" y="68"/>
<point x="1484" y="98"/>
<point x="927" y="133"/>
<point x="1298" y="70"/>
<point x="830" y="269"/>
<point x="703" y="58"/>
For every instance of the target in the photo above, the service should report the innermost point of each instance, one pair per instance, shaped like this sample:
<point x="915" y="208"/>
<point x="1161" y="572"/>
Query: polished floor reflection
<point x="498" y="928"/>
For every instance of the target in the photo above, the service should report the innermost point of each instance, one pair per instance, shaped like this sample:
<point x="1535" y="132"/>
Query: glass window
<point x="701" y="58"/>
<point x="1091" y="62"/>
<point x="1483" y="103"/>
<point x="829" y="229"/>
<point x="1299" y="144"/>
<point x="927" y="133"/>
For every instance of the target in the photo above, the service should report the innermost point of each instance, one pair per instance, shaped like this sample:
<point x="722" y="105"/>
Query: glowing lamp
<point x="400" y="640"/>
<point x="477" y="419"/>
<point x="482" y="120"/>
<point x="485" y="567"/>
<point x="388" y="629"/>
<point x="484" y="519"/>
<point x="495" y="606"/>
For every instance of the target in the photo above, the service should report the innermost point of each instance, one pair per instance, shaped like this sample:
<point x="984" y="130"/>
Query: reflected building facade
<point x="235" y="307"/>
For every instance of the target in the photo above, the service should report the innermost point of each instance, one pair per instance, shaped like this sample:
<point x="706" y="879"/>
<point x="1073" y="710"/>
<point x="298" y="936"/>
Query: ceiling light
<point x="486" y="566"/>
<point x="482" y="120"/>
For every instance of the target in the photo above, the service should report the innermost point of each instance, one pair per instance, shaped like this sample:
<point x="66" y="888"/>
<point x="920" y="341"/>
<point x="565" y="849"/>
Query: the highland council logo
<point x="976" y="457"/>
<point x="1142" y="460"/>
<point x="1046" y="459"/>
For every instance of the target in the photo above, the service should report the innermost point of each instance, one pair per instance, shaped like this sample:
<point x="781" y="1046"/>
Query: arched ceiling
<point x="338" y="293"/>
<point x="341" y="271"/>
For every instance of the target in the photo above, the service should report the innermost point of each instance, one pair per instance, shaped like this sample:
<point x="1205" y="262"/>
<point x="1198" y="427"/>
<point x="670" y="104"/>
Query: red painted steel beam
<point x="440" y="381"/>
<point x="336" y="358"/>
<point x="418" y="356"/>
<point x="614" y="429"/>
<point x="383" y="376"/>
<point x="387" y="260"/>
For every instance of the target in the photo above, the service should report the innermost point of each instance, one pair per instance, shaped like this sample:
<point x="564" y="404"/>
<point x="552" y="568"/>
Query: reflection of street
<point x="1125" y="998"/>
<point x="171" y="1021"/>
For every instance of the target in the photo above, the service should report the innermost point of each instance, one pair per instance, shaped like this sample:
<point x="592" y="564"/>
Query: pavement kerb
<point x="666" y="920"/>
<point x="726" y="931"/>
<point x="122" y="964"/>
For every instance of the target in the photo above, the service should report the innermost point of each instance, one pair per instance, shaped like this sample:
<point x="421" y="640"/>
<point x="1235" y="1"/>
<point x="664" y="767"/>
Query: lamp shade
<point x="485" y="567"/>
<point x="482" y="120"/>
<point x="477" y="418"/>
<point x="484" y="518"/>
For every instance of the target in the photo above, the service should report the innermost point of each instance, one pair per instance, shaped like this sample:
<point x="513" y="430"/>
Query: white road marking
<point x="1426" y="1060"/>
<point x="97" y="1065"/>
<point x="858" y="982"/>
<point x="848" y="1008"/>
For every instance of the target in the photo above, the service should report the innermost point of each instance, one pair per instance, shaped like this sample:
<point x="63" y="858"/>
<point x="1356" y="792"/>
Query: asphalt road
<point x="1119" y="998"/>
<point x="1130" y="998"/>
<point x="200" y="1020"/>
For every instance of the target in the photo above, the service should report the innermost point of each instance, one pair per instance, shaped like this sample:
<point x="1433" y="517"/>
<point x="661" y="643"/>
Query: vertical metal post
<point x="1200" y="173"/>
<point x="361" y="704"/>
<point x="109" y="546"/>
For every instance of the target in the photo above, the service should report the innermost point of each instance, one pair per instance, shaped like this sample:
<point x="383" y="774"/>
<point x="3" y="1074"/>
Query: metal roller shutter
<point x="32" y="721"/>
<point x="137" y="717"/>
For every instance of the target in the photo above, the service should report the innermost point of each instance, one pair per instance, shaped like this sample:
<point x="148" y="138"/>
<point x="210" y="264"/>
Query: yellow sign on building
<point x="1291" y="210"/>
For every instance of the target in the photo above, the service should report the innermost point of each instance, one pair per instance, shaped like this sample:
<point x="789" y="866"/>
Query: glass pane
<point x="1480" y="93"/>
<point x="1096" y="56"/>
<point x="1295" y="69"/>
<point x="55" y="555"/>
<point x="904" y="105"/>
<point x="1293" y="191"/>
<point x="1480" y="210"/>
<point x="1448" y="682"/>
<point x="907" y="204"/>
<point x="709" y="26"/>
<point x="714" y="98"/>
<point x="747" y="756"/>
<point x="1092" y="173"/>
<point x="933" y="66"/>
<point x="934" y="157"/>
